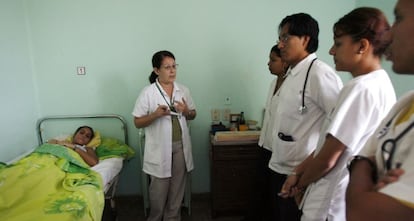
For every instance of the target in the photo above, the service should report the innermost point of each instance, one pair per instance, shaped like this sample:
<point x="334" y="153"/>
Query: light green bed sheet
<point x="52" y="183"/>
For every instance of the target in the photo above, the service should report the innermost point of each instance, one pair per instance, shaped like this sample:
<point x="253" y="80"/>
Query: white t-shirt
<point x="321" y="93"/>
<point x="362" y="104"/>
<point x="158" y="135"/>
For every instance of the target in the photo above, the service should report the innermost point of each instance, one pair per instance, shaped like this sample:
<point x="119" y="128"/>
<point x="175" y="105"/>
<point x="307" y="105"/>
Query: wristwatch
<point x="357" y="158"/>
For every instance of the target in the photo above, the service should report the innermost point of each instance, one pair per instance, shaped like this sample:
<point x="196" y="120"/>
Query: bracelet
<point x="357" y="158"/>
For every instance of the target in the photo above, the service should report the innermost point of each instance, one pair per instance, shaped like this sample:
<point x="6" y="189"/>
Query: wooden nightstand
<point x="234" y="170"/>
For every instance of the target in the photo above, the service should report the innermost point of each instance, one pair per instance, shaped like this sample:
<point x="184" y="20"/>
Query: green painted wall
<point x="19" y="107"/>
<point x="222" y="48"/>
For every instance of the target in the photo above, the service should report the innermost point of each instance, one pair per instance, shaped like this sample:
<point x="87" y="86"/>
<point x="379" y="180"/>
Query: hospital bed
<point x="81" y="193"/>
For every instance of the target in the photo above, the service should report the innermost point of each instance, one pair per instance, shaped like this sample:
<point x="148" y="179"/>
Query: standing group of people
<point x="313" y="124"/>
<point x="316" y="127"/>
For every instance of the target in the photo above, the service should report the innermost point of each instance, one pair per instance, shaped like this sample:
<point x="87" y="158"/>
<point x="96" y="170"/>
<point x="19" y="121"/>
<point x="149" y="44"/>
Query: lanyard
<point x="170" y="104"/>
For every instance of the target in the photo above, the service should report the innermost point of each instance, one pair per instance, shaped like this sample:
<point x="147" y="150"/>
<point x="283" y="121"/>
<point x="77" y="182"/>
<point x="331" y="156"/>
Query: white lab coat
<point x="268" y="132"/>
<point x="362" y="104"/>
<point x="158" y="135"/>
<point x="321" y="93"/>
<point x="403" y="189"/>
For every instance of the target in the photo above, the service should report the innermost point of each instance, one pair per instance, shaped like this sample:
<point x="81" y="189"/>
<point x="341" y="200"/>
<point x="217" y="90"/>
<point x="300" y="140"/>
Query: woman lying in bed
<point x="79" y="143"/>
<point x="54" y="182"/>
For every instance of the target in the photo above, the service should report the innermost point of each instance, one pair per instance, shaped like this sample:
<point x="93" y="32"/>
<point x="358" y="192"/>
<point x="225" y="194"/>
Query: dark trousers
<point x="283" y="209"/>
<point x="260" y="204"/>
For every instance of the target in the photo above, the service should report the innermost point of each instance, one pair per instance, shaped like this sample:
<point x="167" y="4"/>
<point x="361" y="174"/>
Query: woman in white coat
<point x="363" y="102"/>
<point x="260" y="205"/>
<point x="163" y="109"/>
<point x="392" y="196"/>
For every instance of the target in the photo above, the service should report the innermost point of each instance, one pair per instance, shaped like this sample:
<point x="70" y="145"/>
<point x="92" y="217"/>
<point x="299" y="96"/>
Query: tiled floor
<point x="131" y="209"/>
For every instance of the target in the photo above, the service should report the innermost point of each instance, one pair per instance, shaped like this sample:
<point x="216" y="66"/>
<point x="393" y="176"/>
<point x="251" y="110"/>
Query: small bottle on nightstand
<point x="242" y="122"/>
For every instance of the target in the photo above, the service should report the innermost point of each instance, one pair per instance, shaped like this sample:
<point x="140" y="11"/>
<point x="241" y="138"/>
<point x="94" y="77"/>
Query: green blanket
<point x="52" y="183"/>
<point x="111" y="147"/>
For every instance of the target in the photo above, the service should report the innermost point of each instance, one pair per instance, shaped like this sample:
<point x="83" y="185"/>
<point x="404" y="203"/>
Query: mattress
<point x="108" y="169"/>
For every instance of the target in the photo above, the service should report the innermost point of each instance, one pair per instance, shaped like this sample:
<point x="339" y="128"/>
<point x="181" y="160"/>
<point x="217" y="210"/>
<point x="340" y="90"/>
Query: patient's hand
<point x="53" y="141"/>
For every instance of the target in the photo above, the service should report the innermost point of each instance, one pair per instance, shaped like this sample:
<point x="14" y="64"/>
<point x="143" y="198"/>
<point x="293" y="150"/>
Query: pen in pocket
<point x="284" y="137"/>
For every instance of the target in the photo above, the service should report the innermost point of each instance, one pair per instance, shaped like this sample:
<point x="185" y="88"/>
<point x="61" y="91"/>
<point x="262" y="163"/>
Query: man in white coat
<point x="308" y="93"/>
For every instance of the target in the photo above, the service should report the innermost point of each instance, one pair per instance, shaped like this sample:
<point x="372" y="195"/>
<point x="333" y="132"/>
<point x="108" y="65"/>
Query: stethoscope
<point x="389" y="145"/>
<point x="170" y="104"/>
<point x="303" y="108"/>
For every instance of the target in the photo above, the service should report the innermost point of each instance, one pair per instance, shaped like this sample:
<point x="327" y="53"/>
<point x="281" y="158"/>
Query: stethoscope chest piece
<point x="302" y="109"/>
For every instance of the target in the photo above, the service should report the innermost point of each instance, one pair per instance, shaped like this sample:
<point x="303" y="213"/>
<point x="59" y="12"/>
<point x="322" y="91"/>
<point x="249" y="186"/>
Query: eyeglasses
<point x="170" y="67"/>
<point x="284" y="38"/>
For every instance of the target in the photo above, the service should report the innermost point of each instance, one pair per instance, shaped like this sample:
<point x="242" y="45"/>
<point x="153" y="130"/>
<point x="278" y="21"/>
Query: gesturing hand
<point x="162" y="110"/>
<point x="181" y="107"/>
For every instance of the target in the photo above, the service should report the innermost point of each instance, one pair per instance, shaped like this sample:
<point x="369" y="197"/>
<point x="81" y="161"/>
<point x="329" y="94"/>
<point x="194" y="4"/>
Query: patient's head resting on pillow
<point x="80" y="142"/>
<point x="94" y="141"/>
<point x="83" y="135"/>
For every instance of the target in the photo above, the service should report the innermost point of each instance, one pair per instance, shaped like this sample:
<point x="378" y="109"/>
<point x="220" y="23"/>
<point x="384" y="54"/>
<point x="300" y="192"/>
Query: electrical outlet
<point x="226" y="114"/>
<point x="215" y="114"/>
<point x="81" y="70"/>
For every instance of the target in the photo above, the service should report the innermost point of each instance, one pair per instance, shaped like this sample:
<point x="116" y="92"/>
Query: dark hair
<point x="276" y="50"/>
<point x="157" y="59"/>
<point x="365" y="22"/>
<point x="302" y="24"/>
<point x="81" y="127"/>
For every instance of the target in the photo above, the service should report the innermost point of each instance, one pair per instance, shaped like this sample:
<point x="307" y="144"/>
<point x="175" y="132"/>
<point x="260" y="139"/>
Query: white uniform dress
<point x="158" y="135"/>
<point x="362" y="104"/>
<point x="403" y="189"/>
<point x="321" y="93"/>
<point x="268" y="132"/>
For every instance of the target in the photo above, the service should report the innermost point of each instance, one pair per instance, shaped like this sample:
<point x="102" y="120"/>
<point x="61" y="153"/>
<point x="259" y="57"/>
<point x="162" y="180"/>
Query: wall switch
<point x="226" y="114"/>
<point x="227" y="100"/>
<point x="215" y="114"/>
<point x="81" y="70"/>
